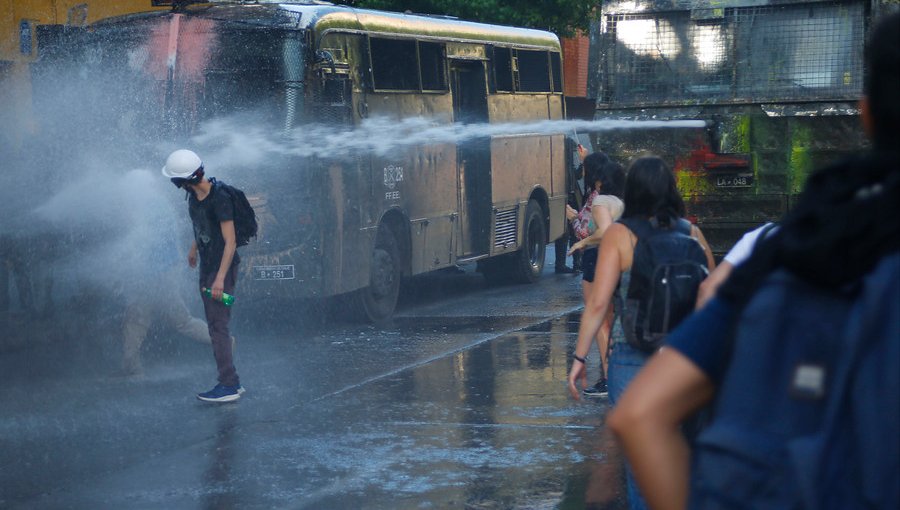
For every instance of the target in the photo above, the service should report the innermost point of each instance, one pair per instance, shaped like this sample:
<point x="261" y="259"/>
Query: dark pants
<point x="562" y="245"/>
<point x="217" y="317"/>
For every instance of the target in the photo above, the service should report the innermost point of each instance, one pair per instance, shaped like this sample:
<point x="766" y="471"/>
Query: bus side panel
<point x="420" y="181"/>
<point x="433" y="209"/>
<point x="520" y="164"/>
<point x="517" y="108"/>
<point x="524" y="163"/>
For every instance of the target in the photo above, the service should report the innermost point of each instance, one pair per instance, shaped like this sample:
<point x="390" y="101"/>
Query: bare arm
<point x="603" y="219"/>
<point x="606" y="278"/>
<point x="218" y="286"/>
<point x="192" y="254"/>
<point x="647" y="420"/>
<point x="711" y="283"/>
<point x="698" y="234"/>
<point x="582" y="152"/>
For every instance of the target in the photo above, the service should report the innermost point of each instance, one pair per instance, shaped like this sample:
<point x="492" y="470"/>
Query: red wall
<point x="575" y="65"/>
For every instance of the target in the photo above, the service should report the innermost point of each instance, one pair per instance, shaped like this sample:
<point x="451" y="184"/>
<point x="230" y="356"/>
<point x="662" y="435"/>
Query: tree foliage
<point x="562" y="17"/>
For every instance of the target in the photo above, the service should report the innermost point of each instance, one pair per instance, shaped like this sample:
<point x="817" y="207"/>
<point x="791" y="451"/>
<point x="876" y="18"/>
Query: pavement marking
<point x="489" y="425"/>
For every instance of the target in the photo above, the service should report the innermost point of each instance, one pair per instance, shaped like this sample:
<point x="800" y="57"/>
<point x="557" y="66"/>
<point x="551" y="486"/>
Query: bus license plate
<point x="734" y="181"/>
<point x="273" y="272"/>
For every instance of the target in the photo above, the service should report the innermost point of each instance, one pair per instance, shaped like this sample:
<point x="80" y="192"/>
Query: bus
<point x="777" y="84"/>
<point x="351" y="222"/>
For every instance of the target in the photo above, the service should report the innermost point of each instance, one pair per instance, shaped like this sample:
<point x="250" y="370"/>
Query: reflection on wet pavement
<point x="490" y="427"/>
<point x="470" y="419"/>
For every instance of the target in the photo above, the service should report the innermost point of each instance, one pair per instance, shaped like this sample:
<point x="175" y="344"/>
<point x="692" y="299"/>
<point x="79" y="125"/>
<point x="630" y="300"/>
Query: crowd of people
<point x="780" y="388"/>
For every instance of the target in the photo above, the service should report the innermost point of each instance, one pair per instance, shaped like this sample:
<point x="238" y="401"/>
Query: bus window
<point x="534" y="71"/>
<point x="332" y="103"/>
<point x="394" y="64"/>
<point x="503" y="75"/>
<point x="431" y="62"/>
<point x="408" y="65"/>
<point x="525" y="71"/>
<point x="556" y="70"/>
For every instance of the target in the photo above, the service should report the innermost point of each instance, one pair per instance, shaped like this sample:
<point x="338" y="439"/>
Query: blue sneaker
<point x="221" y="393"/>
<point x="240" y="389"/>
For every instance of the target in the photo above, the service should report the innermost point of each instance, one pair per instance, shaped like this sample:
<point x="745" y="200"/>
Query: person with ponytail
<point x="650" y="194"/>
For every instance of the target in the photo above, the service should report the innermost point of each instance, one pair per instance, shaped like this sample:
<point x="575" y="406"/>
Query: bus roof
<point x="322" y="17"/>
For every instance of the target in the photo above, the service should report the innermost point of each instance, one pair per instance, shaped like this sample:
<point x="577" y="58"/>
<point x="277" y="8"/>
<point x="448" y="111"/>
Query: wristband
<point x="579" y="358"/>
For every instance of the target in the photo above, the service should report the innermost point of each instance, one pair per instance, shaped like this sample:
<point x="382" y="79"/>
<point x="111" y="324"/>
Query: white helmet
<point x="182" y="164"/>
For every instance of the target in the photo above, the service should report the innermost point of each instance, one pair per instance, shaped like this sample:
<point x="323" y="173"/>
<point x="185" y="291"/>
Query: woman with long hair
<point x="604" y="182"/>
<point x="650" y="194"/>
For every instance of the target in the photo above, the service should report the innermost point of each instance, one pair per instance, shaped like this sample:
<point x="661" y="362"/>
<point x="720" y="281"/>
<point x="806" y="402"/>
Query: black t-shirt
<point x="206" y="216"/>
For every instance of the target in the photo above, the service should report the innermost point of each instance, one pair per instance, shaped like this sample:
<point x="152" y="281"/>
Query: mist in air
<point x="88" y="217"/>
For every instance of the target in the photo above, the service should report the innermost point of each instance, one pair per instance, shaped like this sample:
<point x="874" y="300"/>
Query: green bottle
<point x="227" y="299"/>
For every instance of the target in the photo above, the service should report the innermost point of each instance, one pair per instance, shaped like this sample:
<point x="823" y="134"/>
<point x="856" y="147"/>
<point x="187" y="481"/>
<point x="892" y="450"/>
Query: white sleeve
<point x="613" y="204"/>
<point x="742" y="249"/>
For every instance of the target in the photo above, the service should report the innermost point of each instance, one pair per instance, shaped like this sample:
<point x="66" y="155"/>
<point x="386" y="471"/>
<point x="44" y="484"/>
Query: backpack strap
<point x="684" y="226"/>
<point x="640" y="227"/>
<point x="645" y="228"/>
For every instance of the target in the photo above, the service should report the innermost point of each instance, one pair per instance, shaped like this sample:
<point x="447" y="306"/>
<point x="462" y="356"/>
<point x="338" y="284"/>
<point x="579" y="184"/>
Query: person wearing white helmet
<point x="212" y="215"/>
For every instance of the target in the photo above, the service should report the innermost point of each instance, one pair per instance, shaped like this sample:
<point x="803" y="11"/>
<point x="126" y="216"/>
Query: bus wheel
<point x="378" y="300"/>
<point x="530" y="258"/>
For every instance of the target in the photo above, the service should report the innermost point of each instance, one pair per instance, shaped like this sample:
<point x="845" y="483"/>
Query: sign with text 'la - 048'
<point x="734" y="180"/>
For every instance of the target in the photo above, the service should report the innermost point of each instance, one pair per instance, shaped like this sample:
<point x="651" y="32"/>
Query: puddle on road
<point x="489" y="427"/>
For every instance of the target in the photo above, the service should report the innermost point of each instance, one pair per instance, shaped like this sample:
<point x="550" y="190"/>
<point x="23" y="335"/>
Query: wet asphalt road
<point x="459" y="402"/>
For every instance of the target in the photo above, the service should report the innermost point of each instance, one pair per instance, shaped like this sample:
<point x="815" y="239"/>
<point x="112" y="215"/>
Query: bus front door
<point x="467" y="84"/>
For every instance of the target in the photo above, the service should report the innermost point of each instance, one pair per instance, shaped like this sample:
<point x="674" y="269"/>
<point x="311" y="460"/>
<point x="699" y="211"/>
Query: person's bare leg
<point x="136" y="323"/>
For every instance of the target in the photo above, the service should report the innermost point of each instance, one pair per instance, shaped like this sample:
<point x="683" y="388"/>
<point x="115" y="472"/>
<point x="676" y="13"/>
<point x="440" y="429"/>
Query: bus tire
<point x="377" y="301"/>
<point x="529" y="263"/>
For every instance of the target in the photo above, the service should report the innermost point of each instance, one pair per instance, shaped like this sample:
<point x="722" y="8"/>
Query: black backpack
<point x="666" y="272"/>
<point x="245" y="225"/>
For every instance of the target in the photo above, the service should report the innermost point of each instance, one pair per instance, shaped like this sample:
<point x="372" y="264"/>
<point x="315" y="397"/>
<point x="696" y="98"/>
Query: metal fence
<point x="793" y="52"/>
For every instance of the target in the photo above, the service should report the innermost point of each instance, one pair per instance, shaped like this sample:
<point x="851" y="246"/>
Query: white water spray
<point x="229" y="141"/>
